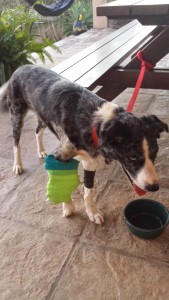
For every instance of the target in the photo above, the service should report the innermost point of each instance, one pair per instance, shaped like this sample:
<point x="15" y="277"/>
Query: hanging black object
<point x="54" y="9"/>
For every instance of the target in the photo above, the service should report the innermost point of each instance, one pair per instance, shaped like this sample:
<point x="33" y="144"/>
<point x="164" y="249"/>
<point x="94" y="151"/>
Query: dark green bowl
<point x="146" y="218"/>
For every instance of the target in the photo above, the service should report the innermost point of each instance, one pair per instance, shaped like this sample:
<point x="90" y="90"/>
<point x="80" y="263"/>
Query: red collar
<point x="94" y="136"/>
<point x="96" y="141"/>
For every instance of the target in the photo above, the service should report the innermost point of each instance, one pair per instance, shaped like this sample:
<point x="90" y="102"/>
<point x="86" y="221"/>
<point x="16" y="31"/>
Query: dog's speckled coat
<point x="70" y="111"/>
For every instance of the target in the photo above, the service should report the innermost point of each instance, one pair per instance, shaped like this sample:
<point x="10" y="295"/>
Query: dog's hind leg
<point x="17" y="123"/>
<point x="39" y="139"/>
<point x="18" y="109"/>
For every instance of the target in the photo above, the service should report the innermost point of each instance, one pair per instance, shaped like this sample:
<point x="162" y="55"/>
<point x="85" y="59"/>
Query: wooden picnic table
<point x="147" y="12"/>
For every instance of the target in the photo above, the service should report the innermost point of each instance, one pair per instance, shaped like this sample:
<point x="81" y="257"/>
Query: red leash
<point x="145" y="65"/>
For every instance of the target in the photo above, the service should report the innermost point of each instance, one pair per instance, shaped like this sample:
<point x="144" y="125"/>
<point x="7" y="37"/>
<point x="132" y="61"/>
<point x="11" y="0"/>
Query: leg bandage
<point x="63" y="179"/>
<point x="89" y="179"/>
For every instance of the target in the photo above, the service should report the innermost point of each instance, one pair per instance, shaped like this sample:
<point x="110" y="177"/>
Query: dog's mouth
<point x="137" y="189"/>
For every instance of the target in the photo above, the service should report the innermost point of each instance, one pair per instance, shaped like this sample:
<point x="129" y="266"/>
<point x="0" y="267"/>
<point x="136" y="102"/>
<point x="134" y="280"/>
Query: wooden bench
<point x="92" y="67"/>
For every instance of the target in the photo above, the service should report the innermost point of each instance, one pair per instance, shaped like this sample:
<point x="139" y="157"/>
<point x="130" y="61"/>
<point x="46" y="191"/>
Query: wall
<point x="103" y="22"/>
<point x="99" y="22"/>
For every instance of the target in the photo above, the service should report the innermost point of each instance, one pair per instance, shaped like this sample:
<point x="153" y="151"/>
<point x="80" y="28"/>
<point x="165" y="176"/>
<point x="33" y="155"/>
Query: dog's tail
<point x="3" y="97"/>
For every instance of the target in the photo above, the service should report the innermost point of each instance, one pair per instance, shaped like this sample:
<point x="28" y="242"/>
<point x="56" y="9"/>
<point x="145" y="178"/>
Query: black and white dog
<point x="71" y="112"/>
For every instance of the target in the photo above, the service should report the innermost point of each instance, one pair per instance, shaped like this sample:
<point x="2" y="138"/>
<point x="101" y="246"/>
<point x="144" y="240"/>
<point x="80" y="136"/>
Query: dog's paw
<point x="68" y="209"/>
<point x="64" y="154"/>
<point x="62" y="158"/>
<point x="17" y="169"/>
<point x="42" y="154"/>
<point x="95" y="216"/>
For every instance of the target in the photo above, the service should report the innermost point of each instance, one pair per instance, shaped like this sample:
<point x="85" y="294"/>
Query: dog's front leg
<point x="92" y="211"/>
<point x="68" y="209"/>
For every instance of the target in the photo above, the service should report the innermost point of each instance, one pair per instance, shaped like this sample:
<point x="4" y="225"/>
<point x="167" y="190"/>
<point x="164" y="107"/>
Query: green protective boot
<point x="63" y="179"/>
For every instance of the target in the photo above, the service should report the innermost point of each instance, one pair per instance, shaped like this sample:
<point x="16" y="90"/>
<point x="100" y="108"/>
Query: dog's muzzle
<point x="137" y="189"/>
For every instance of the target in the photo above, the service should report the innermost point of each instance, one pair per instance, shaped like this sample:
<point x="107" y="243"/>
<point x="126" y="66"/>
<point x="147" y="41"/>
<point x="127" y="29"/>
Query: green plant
<point x="83" y="7"/>
<point x="18" y="41"/>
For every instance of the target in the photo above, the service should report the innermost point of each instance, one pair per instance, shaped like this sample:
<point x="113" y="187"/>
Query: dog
<point x="73" y="113"/>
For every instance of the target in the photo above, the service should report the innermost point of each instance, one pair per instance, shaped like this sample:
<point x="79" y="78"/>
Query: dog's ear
<point x="155" y="125"/>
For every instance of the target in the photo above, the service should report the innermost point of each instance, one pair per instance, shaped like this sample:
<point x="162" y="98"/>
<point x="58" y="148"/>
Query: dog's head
<point x="133" y="142"/>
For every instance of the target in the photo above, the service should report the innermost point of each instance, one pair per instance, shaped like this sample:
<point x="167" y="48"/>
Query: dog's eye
<point x="133" y="157"/>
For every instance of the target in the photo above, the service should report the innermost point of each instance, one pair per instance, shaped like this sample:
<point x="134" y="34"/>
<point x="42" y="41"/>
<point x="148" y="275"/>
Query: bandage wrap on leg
<point x="63" y="179"/>
<point x="89" y="179"/>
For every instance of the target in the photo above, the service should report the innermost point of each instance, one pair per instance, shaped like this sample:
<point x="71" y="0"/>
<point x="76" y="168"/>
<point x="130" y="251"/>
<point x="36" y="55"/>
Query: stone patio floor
<point x="44" y="256"/>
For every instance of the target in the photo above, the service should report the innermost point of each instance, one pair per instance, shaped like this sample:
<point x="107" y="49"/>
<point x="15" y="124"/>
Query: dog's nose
<point x="152" y="187"/>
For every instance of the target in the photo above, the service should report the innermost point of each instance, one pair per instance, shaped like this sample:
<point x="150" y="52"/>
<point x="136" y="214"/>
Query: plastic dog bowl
<point x="146" y="218"/>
